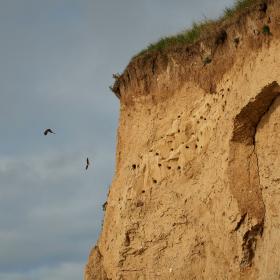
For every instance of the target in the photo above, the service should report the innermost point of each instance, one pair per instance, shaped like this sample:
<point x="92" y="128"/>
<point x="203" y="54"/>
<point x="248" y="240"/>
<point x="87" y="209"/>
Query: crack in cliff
<point x="244" y="169"/>
<point x="251" y="236"/>
<point x="241" y="221"/>
<point x="250" y="243"/>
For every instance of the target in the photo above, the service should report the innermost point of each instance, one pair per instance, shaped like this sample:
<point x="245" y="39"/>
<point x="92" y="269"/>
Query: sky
<point x="57" y="58"/>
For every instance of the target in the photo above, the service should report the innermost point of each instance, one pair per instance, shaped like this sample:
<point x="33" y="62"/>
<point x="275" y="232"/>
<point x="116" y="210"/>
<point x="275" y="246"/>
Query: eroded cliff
<point x="197" y="183"/>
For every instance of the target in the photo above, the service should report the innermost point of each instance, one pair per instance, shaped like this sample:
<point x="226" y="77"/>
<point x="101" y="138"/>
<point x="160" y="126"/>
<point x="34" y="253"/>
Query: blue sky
<point x="57" y="58"/>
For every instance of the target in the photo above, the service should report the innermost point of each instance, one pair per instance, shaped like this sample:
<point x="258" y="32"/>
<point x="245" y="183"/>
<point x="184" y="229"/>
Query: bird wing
<point x="48" y="130"/>
<point x="87" y="163"/>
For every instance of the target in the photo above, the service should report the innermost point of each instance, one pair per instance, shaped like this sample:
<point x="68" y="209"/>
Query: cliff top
<point x="200" y="31"/>
<point x="214" y="31"/>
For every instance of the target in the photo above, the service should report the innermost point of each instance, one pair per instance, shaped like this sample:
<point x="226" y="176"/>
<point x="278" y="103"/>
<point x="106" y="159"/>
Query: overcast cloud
<point x="57" y="58"/>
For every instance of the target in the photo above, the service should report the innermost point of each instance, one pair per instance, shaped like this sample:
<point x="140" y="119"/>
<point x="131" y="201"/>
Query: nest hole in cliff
<point x="139" y="203"/>
<point x="263" y="7"/>
<point x="154" y="181"/>
<point x="133" y="166"/>
<point x="127" y="239"/>
<point x="236" y="41"/>
<point x="221" y="37"/>
<point x="159" y="165"/>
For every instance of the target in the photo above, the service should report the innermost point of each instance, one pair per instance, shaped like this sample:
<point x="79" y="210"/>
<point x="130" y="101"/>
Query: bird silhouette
<point x="48" y="131"/>
<point x="87" y="163"/>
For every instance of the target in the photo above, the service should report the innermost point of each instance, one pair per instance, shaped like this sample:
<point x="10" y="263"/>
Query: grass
<point x="240" y="5"/>
<point x="198" y="30"/>
<point x="266" y="30"/>
<point x="186" y="37"/>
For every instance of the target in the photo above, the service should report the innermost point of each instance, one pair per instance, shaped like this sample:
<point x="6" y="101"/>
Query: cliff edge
<point x="196" y="189"/>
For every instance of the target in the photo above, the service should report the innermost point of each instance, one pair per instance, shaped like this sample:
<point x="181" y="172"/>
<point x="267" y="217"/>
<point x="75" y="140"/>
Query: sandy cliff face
<point x="196" y="190"/>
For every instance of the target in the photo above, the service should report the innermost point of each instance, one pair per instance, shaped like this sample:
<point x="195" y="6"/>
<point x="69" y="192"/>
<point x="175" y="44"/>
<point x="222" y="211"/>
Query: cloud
<point x="69" y="271"/>
<point x="46" y="203"/>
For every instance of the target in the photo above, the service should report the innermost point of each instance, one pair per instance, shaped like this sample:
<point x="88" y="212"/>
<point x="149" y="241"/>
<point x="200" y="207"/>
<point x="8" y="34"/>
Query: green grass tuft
<point x="240" y="5"/>
<point x="228" y="12"/>
<point x="266" y="30"/>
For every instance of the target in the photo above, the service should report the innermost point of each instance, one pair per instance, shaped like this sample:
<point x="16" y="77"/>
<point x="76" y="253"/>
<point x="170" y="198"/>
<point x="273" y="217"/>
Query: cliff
<point x="196" y="189"/>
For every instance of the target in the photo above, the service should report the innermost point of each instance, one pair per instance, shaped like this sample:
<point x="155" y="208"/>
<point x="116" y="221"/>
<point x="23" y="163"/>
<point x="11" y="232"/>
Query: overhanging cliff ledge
<point x="209" y="56"/>
<point x="196" y="190"/>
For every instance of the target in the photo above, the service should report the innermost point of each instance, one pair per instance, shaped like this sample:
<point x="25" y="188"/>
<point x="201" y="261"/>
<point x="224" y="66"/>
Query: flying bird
<point x="87" y="164"/>
<point x="48" y="131"/>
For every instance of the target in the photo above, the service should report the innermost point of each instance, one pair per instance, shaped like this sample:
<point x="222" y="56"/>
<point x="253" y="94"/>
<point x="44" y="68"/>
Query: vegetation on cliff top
<point x="200" y="30"/>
